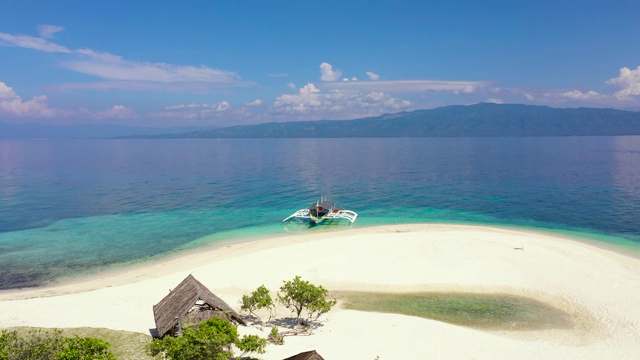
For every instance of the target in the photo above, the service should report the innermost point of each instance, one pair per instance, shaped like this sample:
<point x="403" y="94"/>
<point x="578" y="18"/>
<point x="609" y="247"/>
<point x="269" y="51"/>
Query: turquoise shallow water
<point x="75" y="207"/>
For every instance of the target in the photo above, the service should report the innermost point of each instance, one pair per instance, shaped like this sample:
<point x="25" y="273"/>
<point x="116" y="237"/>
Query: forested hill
<point x="484" y="119"/>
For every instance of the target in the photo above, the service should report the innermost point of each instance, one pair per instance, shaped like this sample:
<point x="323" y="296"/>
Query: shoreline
<point x="618" y="244"/>
<point x="122" y="274"/>
<point x="598" y="284"/>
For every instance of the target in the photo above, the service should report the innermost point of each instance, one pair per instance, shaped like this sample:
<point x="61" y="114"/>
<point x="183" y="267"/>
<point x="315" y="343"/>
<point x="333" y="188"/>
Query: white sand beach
<point x="599" y="287"/>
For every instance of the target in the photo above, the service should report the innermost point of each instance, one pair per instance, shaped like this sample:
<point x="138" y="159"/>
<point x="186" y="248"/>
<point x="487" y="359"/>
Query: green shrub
<point x="212" y="339"/>
<point x="38" y="344"/>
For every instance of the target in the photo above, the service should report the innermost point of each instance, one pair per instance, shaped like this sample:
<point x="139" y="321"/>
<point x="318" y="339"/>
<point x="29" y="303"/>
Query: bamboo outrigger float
<point x="323" y="210"/>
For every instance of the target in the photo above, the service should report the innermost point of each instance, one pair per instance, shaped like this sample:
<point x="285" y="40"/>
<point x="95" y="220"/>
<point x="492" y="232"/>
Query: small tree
<point x="259" y="299"/>
<point x="212" y="339"/>
<point x="299" y="295"/>
<point x="251" y="343"/>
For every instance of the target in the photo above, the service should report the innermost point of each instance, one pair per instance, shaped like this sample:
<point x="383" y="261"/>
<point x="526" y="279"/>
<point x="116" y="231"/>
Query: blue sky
<point x="221" y="63"/>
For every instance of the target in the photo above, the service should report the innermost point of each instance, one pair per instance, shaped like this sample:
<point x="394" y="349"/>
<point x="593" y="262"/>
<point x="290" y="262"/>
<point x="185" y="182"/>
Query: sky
<point x="236" y="62"/>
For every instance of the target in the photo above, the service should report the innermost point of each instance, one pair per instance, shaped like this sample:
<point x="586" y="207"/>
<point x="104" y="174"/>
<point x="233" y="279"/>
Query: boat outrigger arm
<point x="323" y="210"/>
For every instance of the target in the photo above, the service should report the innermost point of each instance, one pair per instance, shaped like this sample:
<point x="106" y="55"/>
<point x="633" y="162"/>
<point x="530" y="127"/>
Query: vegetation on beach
<point x="299" y="295"/>
<point x="212" y="339"/>
<point x="124" y="345"/>
<point x="259" y="299"/>
<point x="296" y="295"/>
<point x="44" y="344"/>
<point x="485" y="311"/>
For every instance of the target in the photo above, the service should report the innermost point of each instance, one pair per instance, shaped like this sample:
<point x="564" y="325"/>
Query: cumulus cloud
<point x="6" y="92"/>
<point x="309" y="89"/>
<point x="627" y="94"/>
<point x="47" y="31"/>
<point x="221" y="112"/>
<point x="310" y="103"/>
<point x="579" y="95"/>
<point x="256" y="102"/>
<point x="373" y="76"/>
<point x="116" y="112"/>
<point x="223" y="106"/>
<point x="328" y="74"/>
<point x="13" y="104"/>
<point x="628" y="82"/>
<point x="494" y="101"/>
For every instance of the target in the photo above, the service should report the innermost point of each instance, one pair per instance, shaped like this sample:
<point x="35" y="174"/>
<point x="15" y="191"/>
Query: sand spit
<point x="598" y="287"/>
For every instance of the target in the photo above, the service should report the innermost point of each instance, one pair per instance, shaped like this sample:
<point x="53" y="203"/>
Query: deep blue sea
<point x="73" y="207"/>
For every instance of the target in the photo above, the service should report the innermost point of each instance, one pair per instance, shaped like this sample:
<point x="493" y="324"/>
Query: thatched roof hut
<point x="307" y="355"/>
<point x="190" y="303"/>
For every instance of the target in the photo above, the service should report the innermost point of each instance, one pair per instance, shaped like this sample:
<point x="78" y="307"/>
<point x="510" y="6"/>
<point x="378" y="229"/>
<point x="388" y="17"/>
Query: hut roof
<point x="175" y="306"/>
<point x="307" y="355"/>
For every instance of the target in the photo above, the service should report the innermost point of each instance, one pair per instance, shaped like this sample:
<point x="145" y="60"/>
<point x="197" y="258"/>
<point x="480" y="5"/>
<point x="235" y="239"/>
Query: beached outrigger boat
<point x="322" y="210"/>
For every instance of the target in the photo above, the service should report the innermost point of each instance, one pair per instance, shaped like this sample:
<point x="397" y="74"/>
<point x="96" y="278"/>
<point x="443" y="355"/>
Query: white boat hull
<point x="305" y="214"/>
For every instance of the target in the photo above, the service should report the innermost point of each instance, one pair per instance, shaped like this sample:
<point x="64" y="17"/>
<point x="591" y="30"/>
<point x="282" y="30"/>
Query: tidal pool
<point x="477" y="310"/>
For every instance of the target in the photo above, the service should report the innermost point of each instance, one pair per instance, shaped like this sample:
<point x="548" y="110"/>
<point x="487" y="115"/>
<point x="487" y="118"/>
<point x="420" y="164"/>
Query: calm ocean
<point x="70" y="207"/>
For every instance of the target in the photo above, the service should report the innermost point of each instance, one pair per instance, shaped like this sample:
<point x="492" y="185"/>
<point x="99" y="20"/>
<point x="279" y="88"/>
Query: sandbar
<point x="599" y="287"/>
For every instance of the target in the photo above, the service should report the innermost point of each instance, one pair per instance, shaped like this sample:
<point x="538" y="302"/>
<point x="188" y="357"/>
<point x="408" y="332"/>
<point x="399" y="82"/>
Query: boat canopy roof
<point x="324" y="204"/>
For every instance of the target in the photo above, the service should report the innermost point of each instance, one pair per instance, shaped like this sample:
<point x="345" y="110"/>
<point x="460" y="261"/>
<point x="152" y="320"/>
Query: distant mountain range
<point x="484" y="119"/>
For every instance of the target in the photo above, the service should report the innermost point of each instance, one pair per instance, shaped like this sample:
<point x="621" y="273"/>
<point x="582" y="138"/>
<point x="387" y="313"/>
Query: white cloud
<point x="13" y="104"/>
<point x="223" y="106"/>
<point x="628" y="82"/>
<point x="31" y="42"/>
<point x="223" y="113"/>
<point x="494" y="101"/>
<point x="373" y="76"/>
<point x="256" y="102"/>
<point x="47" y="31"/>
<point x="123" y="74"/>
<point x="328" y="74"/>
<point x="291" y="85"/>
<point x="6" y="92"/>
<point x="309" y="89"/>
<point x="310" y="104"/>
<point x="116" y="112"/>
<point x="407" y="86"/>
<point x="112" y="67"/>
<point x="579" y="95"/>
<point x="220" y="106"/>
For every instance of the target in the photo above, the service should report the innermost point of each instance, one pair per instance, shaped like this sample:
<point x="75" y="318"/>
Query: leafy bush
<point x="212" y="339"/>
<point x="85" y="348"/>
<point x="51" y="345"/>
<point x="251" y="343"/>
<point x="275" y="336"/>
